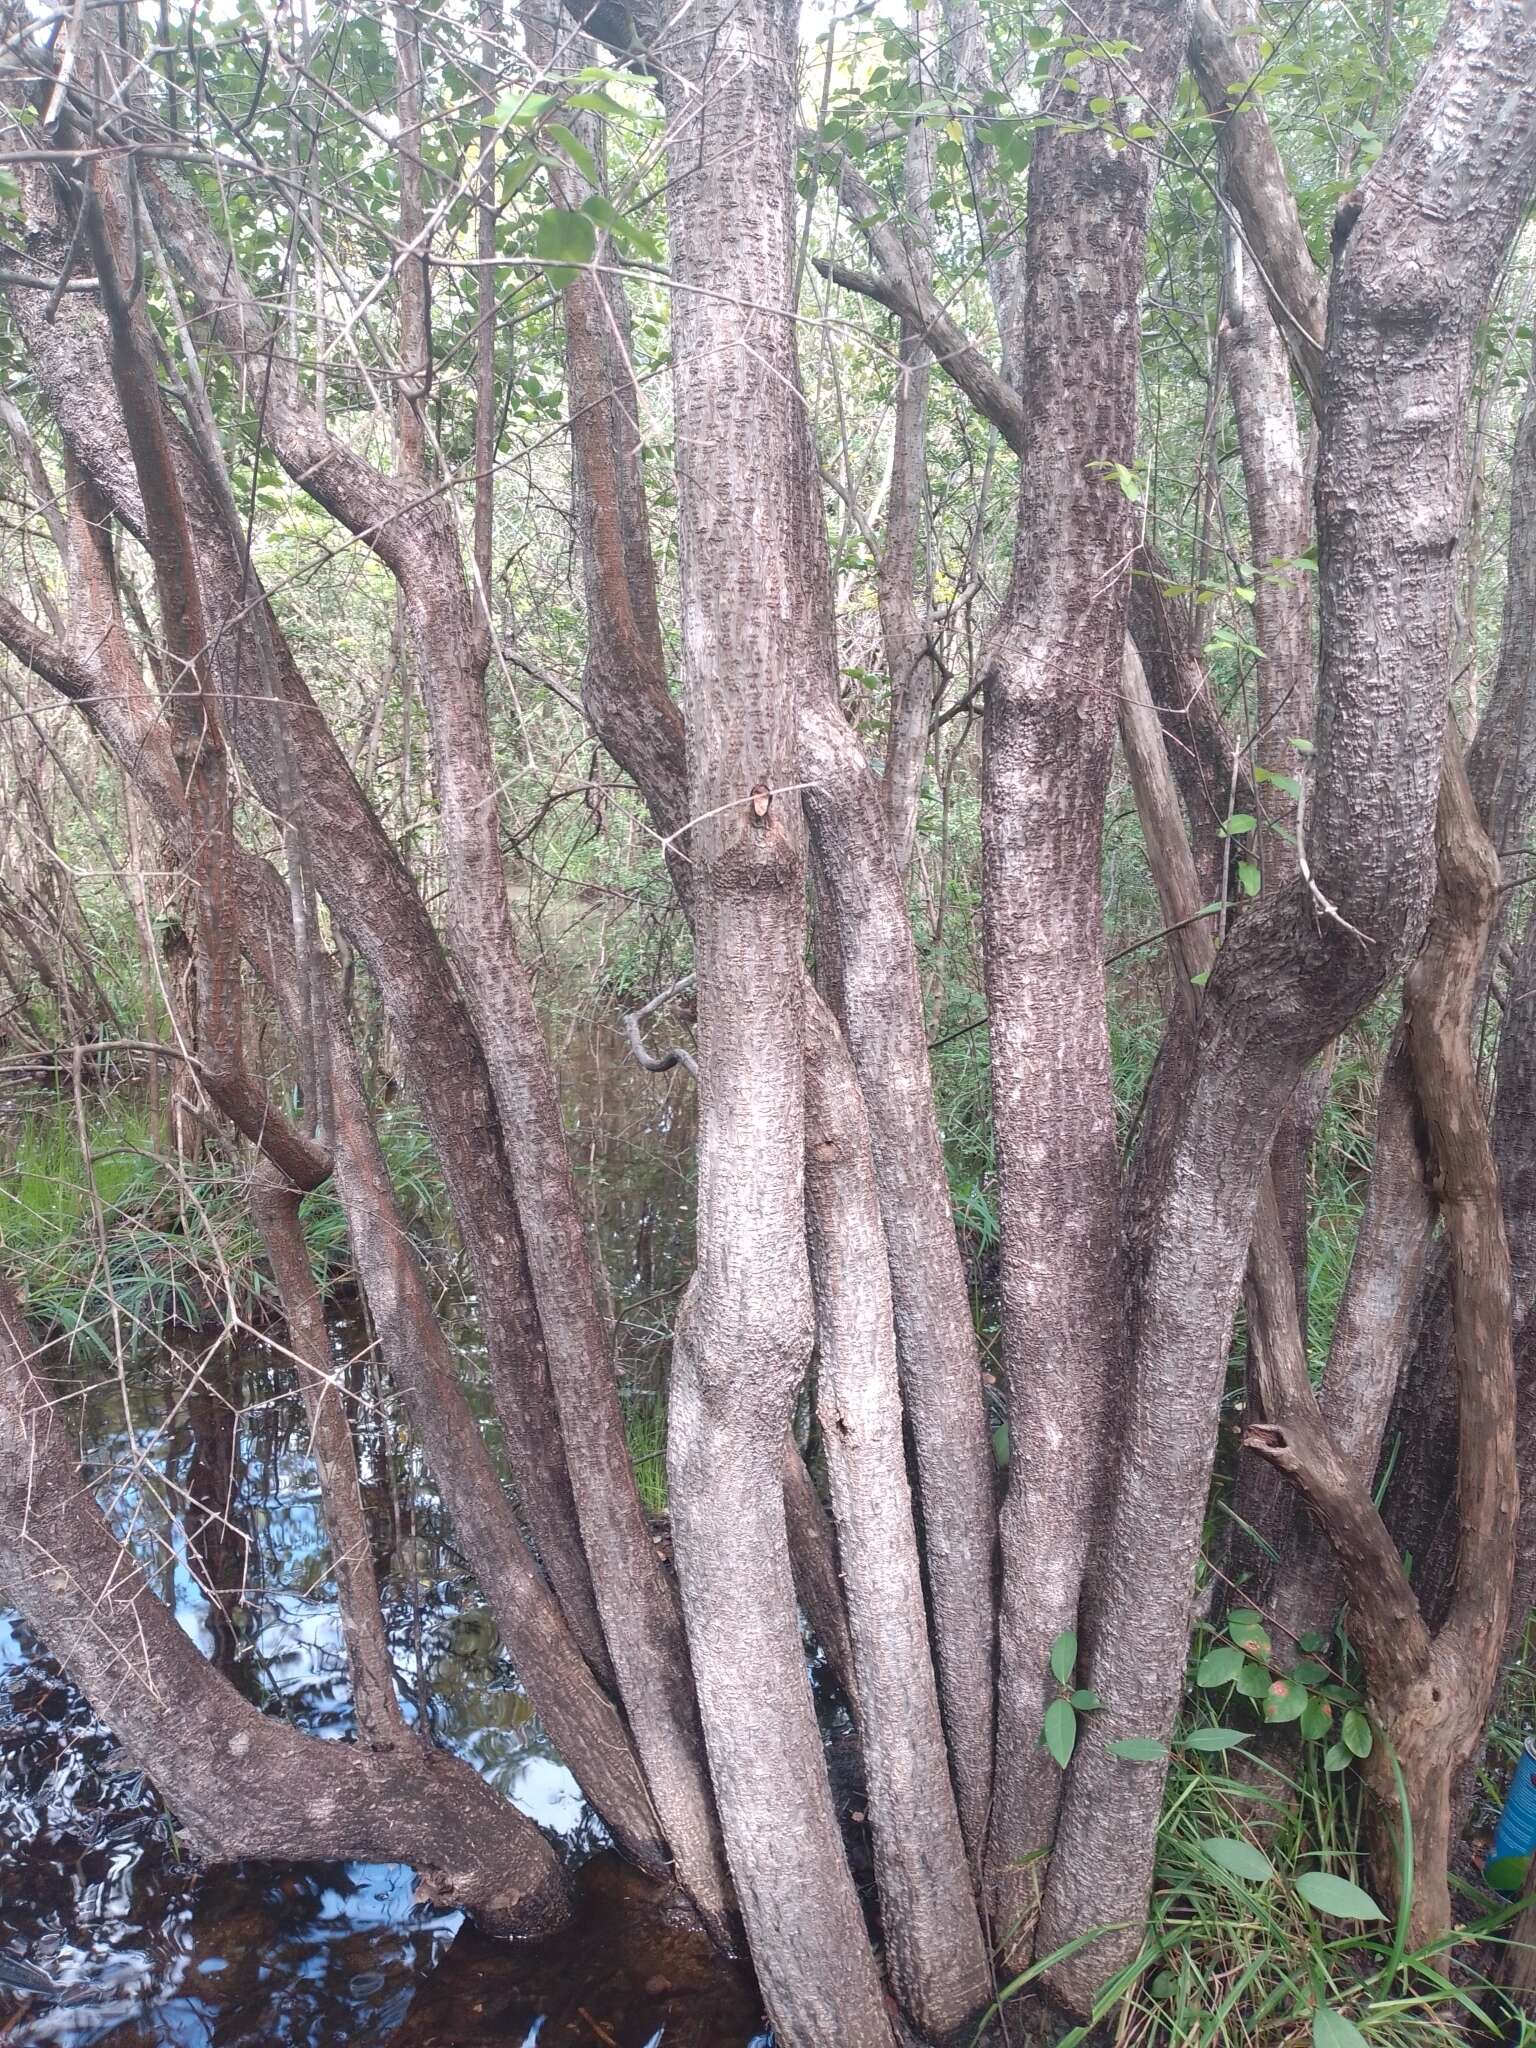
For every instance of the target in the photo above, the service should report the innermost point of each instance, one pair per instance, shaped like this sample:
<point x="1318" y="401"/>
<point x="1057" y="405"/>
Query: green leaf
<point x="1253" y="1681"/>
<point x="1317" y="1720"/>
<point x="1356" y="1732"/>
<point x="1307" y="1671"/>
<point x="1061" y="1731"/>
<point x="576" y="150"/>
<point x="1000" y="1445"/>
<point x="1238" y="1859"/>
<point x="1063" y="1656"/>
<point x="1336" y="1757"/>
<point x="565" y="237"/>
<point x="1330" y="2029"/>
<point x="1248" y="877"/>
<point x="1138" y="1749"/>
<point x="524" y="108"/>
<point x="1248" y="1632"/>
<point x="1240" y="821"/>
<point x="1284" y="1702"/>
<point x="1214" y="1738"/>
<point x="1086" y="1702"/>
<point x="1337" y="1896"/>
<point x="1219" y="1666"/>
<point x="1199" y="980"/>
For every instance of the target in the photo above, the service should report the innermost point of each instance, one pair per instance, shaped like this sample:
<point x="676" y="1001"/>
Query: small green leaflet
<point x="1330" y="2029"/>
<point x="1086" y="1702"/>
<point x="1243" y="1625"/>
<point x="1336" y="1757"/>
<point x="1337" y="1896"/>
<point x="1219" y="1666"/>
<point x="1061" y="1731"/>
<point x="1240" y="821"/>
<point x="1138" y="1749"/>
<point x="1063" y="1656"/>
<point x="1214" y="1738"/>
<point x="1284" y="1702"/>
<point x="1248" y="877"/>
<point x="565" y="237"/>
<point x="1356" y="1732"/>
<point x="1253" y="1681"/>
<point x="1238" y="1859"/>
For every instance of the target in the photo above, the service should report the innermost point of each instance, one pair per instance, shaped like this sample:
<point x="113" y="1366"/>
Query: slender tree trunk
<point x="1052" y="679"/>
<point x="745" y="1338"/>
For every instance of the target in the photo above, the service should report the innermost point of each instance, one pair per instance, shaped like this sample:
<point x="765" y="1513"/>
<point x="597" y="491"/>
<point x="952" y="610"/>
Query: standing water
<point x="216" y="1491"/>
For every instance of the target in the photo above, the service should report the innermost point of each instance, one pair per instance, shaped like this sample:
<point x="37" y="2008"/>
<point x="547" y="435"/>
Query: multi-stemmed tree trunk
<point x="826" y="1251"/>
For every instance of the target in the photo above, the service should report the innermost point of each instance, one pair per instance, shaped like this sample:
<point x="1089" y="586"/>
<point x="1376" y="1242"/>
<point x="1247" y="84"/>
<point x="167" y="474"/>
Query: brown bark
<point x="582" y="1722"/>
<point x="241" y="1785"/>
<point x="273" y="721"/>
<point x="417" y="541"/>
<point x="1260" y="193"/>
<point x="865" y="914"/>
<point x="1414" y="274"/>
<point x="1052" y="676"/>
<point x="1430" y="1695"/>
<point x="813" y="1560"/>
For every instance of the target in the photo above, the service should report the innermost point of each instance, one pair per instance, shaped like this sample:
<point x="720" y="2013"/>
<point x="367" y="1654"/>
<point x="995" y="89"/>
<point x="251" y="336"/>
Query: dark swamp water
<point x="149" y="1949"/>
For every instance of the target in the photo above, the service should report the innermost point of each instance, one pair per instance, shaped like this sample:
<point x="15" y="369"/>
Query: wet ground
<point x="213" y="1486"/>
<point x="150" y="1949"/>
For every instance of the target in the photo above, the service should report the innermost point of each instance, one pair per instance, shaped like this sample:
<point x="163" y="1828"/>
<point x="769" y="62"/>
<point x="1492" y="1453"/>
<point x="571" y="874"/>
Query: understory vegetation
<point x="779" y="771"/>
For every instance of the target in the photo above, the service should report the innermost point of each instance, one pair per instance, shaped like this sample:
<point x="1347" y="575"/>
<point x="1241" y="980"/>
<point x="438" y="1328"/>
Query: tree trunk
<point x="1052" y="678"/>
<point x="741" y="1357"/>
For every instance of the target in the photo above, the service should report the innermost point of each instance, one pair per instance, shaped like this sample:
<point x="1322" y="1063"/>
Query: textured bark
<point x="1430" y="1695"/>
<point x="1501" y="763"/>
<point x="191" y="712"/>
<point x="936" y="1340"/>
<point x="896" y="287"/>
<point x="933" y="1944"/>
<point x="906" y="626"/>
<point x="1279" y="534"/>
<point x="1259" y="192"/>
<point x="1211" y="781"/>
<point x="965" y="56"/>
<point x="813" y="1560"/>
<point x="417" y="541"/>
<point x="241" y="1785"/>
<point x="1052" y="675"/>
<point x="273" y="722"/>
<point x="865" y="914"/>
<point x="745" y="1337"/>
<point x="582" y="1721"/>
<point x="1435" y="219"/>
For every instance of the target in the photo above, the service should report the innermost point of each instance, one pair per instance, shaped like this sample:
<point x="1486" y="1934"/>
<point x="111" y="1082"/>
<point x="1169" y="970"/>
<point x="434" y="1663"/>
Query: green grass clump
<point x="115" y="1249"/>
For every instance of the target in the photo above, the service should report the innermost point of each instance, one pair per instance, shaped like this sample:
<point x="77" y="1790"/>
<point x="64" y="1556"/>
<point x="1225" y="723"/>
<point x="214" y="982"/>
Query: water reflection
<point x="215" y="1490"/>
